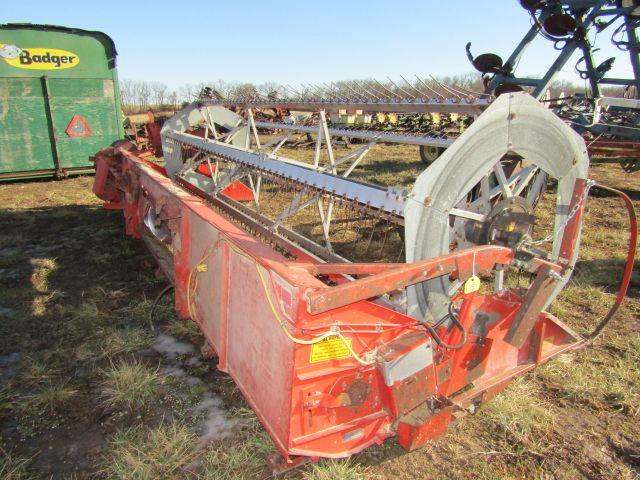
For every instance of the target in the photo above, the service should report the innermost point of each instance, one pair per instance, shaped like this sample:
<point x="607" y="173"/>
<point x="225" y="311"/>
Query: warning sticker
<point x="472" y="284"/>
<point x="329" y="349"/>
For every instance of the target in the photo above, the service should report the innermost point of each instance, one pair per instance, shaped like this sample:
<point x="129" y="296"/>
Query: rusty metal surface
<point x="534" y="301"/>
<point x="460" y="263"/>
<point x="614" y="148"/>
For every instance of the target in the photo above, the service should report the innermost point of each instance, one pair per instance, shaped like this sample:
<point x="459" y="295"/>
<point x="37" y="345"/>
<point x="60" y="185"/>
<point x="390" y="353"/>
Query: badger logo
<point x="44" y="59"/>
<point x="9" y="51"/>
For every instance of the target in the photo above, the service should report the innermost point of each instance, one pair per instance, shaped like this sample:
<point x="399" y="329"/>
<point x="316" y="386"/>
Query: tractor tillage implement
<point x="348" y="312"/>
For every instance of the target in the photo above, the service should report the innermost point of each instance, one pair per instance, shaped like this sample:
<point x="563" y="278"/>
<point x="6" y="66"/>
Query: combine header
<point x="349" y="312"/>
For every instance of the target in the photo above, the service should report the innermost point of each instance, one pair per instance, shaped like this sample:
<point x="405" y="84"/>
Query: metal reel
<point x="213" y="119"/>
<point x="466" y="195"/>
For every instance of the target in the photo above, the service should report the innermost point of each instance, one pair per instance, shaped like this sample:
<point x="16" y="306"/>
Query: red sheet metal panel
<point x="320" y="394"/>
<point x="259" y="355"/>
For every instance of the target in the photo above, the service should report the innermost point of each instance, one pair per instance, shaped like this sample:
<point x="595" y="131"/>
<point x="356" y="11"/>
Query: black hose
<point x="453" y="316"/>
<point x="155" y="303"/>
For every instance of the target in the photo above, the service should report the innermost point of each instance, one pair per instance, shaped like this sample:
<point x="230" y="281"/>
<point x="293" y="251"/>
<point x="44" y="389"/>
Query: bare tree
<point x="268" y="89"/>
<point x="126" y="93"/>
<point x="159" y="93"/>
<point x="222" y="87"/>
<point x="188" y="93"/>
<point x="173" y="99"/>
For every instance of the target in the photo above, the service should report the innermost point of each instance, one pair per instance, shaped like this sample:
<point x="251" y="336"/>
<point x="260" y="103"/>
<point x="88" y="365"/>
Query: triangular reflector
<point x="78" y="127"/>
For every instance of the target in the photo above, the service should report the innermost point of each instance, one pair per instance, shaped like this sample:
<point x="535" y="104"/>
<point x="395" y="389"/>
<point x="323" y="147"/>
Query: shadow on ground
<point x="60" y="269"/>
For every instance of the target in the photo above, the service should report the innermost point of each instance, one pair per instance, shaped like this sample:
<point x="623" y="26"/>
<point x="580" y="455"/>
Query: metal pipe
<point x="446" y="106"/>
<point x="363" y="135"/>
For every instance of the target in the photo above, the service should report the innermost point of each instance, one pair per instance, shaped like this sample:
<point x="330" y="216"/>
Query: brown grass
<point x="81" y="316"/>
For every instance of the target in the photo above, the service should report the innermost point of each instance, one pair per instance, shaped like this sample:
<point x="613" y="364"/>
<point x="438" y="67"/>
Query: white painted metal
<point x="514" y="124"/>
<point x="377" y="136"/>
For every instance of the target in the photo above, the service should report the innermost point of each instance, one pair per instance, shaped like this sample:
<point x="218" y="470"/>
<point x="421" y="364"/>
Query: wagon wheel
<point x="429" y="154"/>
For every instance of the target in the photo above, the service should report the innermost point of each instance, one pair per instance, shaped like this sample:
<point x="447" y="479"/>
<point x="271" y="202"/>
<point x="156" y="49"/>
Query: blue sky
<point x="300" y="41"/>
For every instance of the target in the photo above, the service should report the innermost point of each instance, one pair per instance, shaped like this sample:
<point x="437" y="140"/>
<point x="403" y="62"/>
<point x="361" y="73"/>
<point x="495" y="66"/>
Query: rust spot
<point x="208" y="352"/>
<point x="358" y="392"/>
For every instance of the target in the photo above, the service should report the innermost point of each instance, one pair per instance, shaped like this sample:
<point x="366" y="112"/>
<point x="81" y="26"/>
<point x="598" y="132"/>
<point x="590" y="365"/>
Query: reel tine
<point x="384" y="242"/>
<point x="348" y="215"/>
<point x="374" y="224"/>
<point x="358" y="227"/>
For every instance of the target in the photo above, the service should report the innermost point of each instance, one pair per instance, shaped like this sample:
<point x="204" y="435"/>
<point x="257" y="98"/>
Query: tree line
<point x="141" y="95"/>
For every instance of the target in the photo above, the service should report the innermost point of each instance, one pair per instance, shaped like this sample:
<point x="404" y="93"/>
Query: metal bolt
<point x="555" y="275"/>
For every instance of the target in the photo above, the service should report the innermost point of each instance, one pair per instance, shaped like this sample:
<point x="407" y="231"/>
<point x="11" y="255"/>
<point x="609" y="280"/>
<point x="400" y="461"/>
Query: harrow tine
<point x="352" y="90"/>
<point x="374" y="224"/>
<point x="334" y="92"/>
<point x="413" y="87"/>
<point x="401" y="89"/>
<point x="376" y="97"/>
<point x="445" y="88"/>
<point x="442" y="97"/>
<point x="311" y="88"/>
<point x="295" y="92"/>
<point x="393" y="94"/>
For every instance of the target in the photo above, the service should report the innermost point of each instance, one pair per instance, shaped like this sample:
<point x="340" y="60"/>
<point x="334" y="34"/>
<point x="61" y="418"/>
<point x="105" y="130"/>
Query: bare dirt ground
<point x="91" y="387"/>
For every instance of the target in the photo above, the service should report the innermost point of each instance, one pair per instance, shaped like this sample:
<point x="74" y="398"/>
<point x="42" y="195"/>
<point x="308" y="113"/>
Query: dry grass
<point x="35" y="371"/>
<point x="334" y="469"/>
<point x="243" y="458"/>
<point x="159" y="453"/>
<point x="47" y="392"/>
<point x="7" y="400"/>
<point x="12" y="467"/>
<point x="173" y="451"/>
<point x="111" y="343"/>
<point x="82" y="314"/>
<point x="603" y="383"/>
<point x="520" y="416"/>
<point x="49" y="397"/>
<point x="184" y="329"/>
<point x="118" y="342"/>
<point x="43" y="268"/>
<point x="130" y="384"/>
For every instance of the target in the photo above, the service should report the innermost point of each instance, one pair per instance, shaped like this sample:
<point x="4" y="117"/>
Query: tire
<point x="428" y="155"/>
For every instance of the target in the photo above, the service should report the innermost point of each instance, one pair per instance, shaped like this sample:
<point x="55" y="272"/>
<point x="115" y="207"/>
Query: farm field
<point x="93" y="386"/>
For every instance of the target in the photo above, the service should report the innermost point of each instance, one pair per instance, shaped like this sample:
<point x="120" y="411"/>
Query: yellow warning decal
<point x="329" y="349"/>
